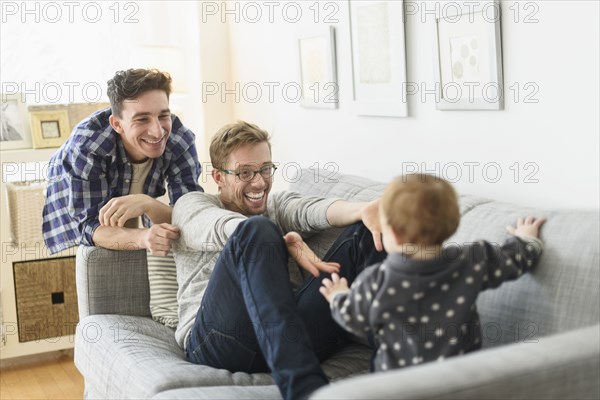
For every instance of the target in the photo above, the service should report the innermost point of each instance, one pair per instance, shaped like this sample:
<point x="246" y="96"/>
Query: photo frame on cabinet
<point x="468" y="57"/>
<point x="318" y="75"/>
<point x="378" y="57"/>
<point x="49" y="128"/>
<point x="14" y="122"/>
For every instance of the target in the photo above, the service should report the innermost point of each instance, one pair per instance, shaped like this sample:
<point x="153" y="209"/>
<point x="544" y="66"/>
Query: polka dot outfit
<point x="420" y="311"/>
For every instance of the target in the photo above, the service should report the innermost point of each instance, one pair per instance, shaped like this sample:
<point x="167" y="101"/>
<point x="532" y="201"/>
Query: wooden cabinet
<point x="38" y="296"/>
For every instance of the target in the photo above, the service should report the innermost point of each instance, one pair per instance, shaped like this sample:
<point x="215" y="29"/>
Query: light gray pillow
<point x="162" y="277"/>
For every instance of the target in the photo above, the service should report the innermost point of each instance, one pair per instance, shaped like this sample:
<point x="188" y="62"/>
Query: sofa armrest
<point x="112" y="282"/>
<point x="561" y="366"/>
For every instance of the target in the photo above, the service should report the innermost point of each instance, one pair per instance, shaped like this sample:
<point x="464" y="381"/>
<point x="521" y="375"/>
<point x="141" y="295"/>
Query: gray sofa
<point x="541" y="332"/>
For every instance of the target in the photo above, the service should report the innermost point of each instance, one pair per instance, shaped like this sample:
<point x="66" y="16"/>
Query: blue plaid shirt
<point x="91" y="168"/>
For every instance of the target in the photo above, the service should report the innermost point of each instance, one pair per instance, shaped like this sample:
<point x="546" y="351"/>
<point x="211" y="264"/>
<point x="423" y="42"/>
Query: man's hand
<point x="369" y="215"/>
<point x="305" y="257"/>
<point x="342" y="213"/>
<point x="158" y="239"/>
<point x="121" y="209"/>
<point x="333" y="286"/>
<point x="527" y="227"/>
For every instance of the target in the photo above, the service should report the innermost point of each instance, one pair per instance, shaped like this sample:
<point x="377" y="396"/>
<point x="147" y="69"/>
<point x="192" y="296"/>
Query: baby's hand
<point x="529" y="226"/>
<point x="334" y="285"/>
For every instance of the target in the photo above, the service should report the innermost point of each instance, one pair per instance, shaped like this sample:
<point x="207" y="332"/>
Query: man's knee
<point x="259" y="231"/>
<point x="258" y="226"/>
<point x="259" y="238"/>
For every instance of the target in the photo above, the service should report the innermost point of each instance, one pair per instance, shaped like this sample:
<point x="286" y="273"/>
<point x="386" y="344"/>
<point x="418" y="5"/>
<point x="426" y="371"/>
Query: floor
<point x="47" y="376"/>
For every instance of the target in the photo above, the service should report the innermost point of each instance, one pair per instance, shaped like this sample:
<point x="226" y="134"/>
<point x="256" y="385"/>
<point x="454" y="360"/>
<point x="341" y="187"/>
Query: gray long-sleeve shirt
<point x="205" y="227"/>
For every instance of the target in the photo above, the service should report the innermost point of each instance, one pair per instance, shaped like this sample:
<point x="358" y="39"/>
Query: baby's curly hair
<point x="421" y="208"/>
<point x="130" y="84"/>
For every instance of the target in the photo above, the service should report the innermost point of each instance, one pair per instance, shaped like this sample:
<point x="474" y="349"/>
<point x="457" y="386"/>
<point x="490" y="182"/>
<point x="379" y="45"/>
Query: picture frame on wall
<point x="49" y="128"/>
<point x="14" y="122"/>
<point x="378" y="57"/>
<point x="318" y="70"/>
<point x="468" y="57"/>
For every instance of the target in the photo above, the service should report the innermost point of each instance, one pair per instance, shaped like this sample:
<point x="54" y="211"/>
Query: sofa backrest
<point x="562" y="292"/>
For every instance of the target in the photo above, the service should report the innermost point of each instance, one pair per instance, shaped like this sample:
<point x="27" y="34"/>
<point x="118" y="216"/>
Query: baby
<point x="419" y="303"/>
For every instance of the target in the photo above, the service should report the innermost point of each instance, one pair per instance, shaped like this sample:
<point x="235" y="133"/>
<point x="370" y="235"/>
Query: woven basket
<point x="46" y="298"/>
<point x="25" y="205"/>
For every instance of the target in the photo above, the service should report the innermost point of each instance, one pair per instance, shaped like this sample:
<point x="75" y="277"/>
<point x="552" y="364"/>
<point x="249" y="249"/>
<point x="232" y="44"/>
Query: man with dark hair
<point x="114" y="165"/>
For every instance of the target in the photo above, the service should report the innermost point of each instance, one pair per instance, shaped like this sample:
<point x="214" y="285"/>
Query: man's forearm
<point x="159" y="212"/>
<point x="343" y="213"/>
<point x="116" y="238"/>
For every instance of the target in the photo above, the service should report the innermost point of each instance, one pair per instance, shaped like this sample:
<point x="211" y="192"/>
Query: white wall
<point x="61" y="52"/>
<point x="559" y="54"/>
<point x="558" y="135"/>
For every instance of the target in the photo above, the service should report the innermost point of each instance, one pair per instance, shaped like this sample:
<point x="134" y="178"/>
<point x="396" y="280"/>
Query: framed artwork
<point x="14" y="123"/>
<point x="49" y="128"/>
<point x="468" y="58"/>
<point x="318" y="75"/>
<point x="378" y="57"/>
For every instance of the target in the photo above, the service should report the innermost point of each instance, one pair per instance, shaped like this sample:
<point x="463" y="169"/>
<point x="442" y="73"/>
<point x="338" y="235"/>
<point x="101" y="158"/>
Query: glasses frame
<point x="273" y="167"/>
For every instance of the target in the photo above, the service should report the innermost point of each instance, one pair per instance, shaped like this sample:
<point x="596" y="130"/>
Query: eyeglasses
<point x="247" y="175"/>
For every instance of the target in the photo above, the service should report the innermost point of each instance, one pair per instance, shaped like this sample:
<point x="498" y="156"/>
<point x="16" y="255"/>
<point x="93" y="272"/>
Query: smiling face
<point x="247" y="198"/>
<point x="145" y="125"/>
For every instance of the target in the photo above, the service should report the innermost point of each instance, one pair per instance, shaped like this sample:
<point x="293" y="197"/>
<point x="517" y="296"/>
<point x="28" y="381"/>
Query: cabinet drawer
<point x="46" y="298"/>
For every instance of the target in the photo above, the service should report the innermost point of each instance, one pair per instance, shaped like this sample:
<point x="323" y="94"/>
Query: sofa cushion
<point x="325" y="184"/>
<point x="356" y="188"/>
<point x="548" y="299"/>
<point x="223" y="393"/>
<point x="136" y="357"/>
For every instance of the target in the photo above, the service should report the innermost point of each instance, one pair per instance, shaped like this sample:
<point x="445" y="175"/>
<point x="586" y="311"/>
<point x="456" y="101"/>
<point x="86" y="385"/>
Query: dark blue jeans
<point x="250" y="319"/>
